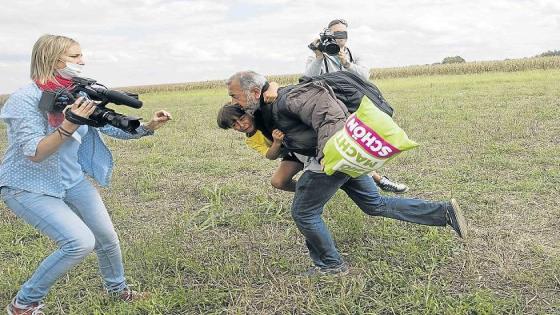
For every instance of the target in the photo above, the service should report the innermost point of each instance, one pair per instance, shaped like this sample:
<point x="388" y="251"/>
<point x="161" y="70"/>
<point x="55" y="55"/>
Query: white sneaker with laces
<point x="386" y="184"/>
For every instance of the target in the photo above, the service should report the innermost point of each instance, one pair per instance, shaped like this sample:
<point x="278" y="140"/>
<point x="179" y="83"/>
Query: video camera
<point x="56" y="101"/>
<point x="327" y="42"/>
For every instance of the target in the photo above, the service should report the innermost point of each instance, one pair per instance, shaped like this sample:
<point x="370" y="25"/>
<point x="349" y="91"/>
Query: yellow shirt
<point x="259" y="143"/>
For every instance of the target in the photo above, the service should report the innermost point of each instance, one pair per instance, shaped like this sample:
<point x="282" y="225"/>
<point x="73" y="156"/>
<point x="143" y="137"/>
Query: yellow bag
<point x="368" y="140"/>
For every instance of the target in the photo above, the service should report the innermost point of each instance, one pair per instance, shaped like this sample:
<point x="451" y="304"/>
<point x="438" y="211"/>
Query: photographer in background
<point x="42" y="175"/>
<point x="323" y="62"/>
<point x="345" y="60"/>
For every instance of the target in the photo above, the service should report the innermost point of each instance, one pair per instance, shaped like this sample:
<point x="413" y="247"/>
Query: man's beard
<point x="253" y="105"/>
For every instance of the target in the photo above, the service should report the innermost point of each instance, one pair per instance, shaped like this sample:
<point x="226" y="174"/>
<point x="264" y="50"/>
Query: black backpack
<point x="350" y="89"/>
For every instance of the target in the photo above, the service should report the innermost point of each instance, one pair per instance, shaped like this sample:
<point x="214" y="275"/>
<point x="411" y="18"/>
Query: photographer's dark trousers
<point x="313" y="190"/>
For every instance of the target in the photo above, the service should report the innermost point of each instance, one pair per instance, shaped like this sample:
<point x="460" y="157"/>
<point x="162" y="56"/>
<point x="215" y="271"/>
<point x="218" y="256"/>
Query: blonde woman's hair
<point x="47" y="51"/>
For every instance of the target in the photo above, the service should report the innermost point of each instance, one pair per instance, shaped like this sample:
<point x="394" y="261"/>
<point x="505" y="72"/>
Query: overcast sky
<point x="169" y="41"/>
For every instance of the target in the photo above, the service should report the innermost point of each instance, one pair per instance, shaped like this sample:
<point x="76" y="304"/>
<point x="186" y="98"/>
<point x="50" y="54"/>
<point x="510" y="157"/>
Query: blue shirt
<point x="27" y="126"/>
<point x="70" y="169"/>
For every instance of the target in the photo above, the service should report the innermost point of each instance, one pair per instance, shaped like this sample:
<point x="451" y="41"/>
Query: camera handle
<point x="79" y="120"/>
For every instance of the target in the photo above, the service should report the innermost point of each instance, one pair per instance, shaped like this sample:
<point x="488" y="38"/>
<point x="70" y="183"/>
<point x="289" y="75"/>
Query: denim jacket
<point x="27" y="126"/>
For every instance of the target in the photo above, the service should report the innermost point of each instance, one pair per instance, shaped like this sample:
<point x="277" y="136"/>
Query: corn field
<point x="512" y="65"/>
<point x="540" y="63"/>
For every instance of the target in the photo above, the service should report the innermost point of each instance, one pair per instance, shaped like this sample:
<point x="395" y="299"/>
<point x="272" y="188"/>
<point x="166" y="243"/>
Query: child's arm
<point x="274" y="151"/>
<point x="271" y="93"/>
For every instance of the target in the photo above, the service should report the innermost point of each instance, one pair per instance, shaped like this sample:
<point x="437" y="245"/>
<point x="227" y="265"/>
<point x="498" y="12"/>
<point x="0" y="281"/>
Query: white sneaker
<point x="386" y="184"/>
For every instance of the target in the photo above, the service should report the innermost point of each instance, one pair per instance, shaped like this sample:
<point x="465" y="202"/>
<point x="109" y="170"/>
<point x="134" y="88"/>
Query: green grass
<point x="202" y="229"/>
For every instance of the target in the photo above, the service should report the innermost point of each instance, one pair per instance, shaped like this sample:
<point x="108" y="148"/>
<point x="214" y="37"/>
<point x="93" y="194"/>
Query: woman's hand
<point x="82" y="108"/>
<point x="159" y="119"/>
<point x="277" y="135"/>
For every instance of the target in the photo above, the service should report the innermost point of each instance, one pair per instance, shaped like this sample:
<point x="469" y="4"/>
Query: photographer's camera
<point x="327" y="42"/>
<point x="89" y="89"/>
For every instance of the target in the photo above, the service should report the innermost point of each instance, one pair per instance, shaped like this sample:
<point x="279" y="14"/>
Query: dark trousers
<point x="315" y="189"/>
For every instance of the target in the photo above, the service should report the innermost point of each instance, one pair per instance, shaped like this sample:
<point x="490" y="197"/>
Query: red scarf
<point x="55" y="119"/>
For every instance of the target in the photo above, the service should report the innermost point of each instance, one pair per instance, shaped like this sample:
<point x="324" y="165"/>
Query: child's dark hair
<point x="228" y="114"/>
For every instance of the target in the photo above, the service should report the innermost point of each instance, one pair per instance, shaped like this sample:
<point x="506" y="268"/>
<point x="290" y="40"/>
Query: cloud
<point x="158" y="41"/>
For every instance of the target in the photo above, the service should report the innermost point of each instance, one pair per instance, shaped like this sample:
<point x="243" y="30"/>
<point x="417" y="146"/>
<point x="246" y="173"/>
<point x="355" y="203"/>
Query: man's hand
<point x="271" y="93"/>
<point x="315" y="47"/>
<point x="277" y="135"/>
<point x="343" y="61"/>
<point x="159" y="119"/>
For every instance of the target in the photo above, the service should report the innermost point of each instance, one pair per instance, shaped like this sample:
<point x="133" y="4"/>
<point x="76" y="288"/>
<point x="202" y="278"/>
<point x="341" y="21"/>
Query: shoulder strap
<point x="326" y="65"/>
<point x="350" y="54"/>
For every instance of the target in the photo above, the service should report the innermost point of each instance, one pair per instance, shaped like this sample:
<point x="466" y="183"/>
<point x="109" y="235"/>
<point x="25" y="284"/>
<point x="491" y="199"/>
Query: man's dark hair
<point x="338" y="21"/>
<point x="228" y="114"/>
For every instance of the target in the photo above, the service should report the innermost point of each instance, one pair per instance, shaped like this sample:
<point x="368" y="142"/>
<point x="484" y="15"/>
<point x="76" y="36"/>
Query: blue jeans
<point x="78" y="223"/>
<point x="314" y="190"/>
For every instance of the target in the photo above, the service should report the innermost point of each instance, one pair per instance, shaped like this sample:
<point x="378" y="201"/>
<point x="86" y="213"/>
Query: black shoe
<point x="456" y="220"/>
<point x="341" y="270"/>
<point x="386" y="184"/>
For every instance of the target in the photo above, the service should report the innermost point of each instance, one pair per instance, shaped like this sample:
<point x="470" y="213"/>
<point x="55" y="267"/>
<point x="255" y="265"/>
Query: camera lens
<point x="332" y="48"/>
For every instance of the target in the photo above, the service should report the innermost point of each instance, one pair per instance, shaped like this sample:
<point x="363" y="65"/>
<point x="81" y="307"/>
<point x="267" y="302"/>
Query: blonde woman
<point x="42" y="176"/>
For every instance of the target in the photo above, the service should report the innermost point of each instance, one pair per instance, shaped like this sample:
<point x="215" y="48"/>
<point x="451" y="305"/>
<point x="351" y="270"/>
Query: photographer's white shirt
<point x="316" y="66"/>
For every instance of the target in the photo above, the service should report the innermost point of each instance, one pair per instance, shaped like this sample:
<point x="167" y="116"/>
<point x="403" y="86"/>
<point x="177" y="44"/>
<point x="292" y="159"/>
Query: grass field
<point x="204" y="232"/>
